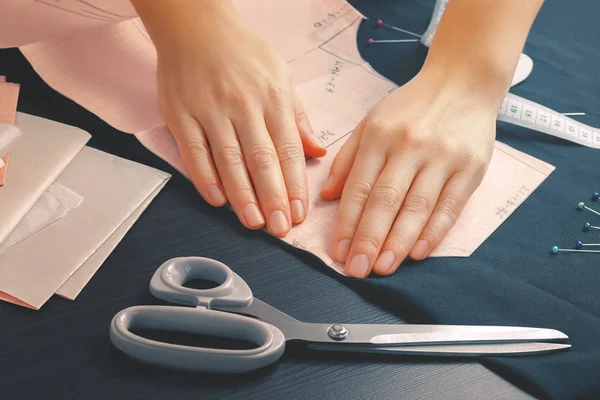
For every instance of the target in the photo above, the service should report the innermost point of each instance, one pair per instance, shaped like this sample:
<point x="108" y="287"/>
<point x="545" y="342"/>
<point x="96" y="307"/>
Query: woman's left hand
<point x="408" y="170"/>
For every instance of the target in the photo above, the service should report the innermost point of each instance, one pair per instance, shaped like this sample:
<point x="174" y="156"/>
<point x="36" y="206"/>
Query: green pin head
<point x="580" y="205"/>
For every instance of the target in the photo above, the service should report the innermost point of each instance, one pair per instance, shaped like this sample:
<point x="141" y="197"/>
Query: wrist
<point x="484" y="83"/>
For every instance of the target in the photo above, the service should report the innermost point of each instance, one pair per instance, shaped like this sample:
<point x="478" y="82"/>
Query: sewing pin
<point x="380" y="23"/>
<point x="573" y="114"/>
<point x="581" y="206"/>
<point x="579" y="245"/>
<point x="587" y="226"/>
<point x="371" y="41"/>
<point x="556" y="250"/>
<point x="595" y="196"/>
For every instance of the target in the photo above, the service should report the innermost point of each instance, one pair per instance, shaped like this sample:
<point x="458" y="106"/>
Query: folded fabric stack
<point x="64" y="206"/>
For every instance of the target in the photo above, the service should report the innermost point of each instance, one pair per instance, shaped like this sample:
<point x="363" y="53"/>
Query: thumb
<point x="310" y="143"/>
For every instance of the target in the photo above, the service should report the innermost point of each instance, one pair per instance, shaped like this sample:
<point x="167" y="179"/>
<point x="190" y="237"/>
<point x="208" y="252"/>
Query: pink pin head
<point x="378" y="23"/>
<point x="370" y="42"/>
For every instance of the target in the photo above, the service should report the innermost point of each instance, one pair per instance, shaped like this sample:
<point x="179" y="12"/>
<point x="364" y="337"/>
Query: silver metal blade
<point x="465" y="350"/>
<point x="385" y="335"/>
<point x="469" y="334"/>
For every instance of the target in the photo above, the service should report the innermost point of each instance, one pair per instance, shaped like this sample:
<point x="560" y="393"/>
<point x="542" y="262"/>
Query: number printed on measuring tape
<point x="585" y="135"/>
<point x="543" y="119"/>
<point x="514" y="109"/>
<point x="558" y="123"/>
<point x="573" y="129"/>
<point x="529" y="114"/>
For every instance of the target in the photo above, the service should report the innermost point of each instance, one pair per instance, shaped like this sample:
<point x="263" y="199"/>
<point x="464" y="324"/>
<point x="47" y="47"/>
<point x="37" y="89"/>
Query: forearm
<point x="478" y="43"/>
<point x="168" y="19"/>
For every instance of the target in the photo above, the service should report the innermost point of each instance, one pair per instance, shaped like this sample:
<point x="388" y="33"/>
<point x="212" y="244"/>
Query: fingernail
<point x="341" y="252"/>
<point x="419" y="250"/>
<point x="385" y="262"/>
<point x="253" y="215"/>
<point x="278" y="223"/>
<point x="216" y="195"/>
<point x="297" y="210"/>
<point x="358" y="266"/>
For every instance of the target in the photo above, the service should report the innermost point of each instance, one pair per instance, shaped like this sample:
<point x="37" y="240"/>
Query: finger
<point x="229" y="160"/>
<point x="380" y="212"/>
<point x="310" y="143"/>
<point x="197" y="159"/>
<point x="285" y="137"/>
<point x="363" y="175"/>
<point x="341" y="166"/>
<point x="414" y="213"/>
<point x="452" y="200"/>
<point x="265" y="171"/>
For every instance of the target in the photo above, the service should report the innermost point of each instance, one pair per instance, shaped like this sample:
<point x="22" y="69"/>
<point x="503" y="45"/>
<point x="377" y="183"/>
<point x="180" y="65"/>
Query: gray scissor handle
<point x="269" y="339"/>
<point x="168" y="280"/>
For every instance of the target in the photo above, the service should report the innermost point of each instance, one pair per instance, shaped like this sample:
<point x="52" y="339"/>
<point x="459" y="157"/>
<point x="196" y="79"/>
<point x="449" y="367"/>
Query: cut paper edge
<point x="13" y="300"/>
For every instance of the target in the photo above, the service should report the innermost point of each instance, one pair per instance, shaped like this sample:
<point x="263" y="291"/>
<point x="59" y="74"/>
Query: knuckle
<point x="360" y="190"/>
<point x="197" y="149"/>
<point x="300" y="113"/>
<point x="416" y="204"/>
<point x="244" y="194"/>
<point x="416" y="140"/>
<point x="262" y="157"/>
<point x="477" y="165"/>
<point x="230" y="156"/>
<point x="434" y="233"/>
<point x="276" y="95"/>
<point x="379" y="129"/>
<point x="243" y="103"/>
<point x="386" y="197"/>
<point x="397" y="243"/>
<point x="450" y="208"/>
<point x="290" y="153"/>
<point x="369" y="242"/>
<point x="448" y="148"/>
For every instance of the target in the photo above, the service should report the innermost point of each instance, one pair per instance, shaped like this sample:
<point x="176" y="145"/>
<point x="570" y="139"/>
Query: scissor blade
<point x="464" y="350"/>
<point x="468" y="335"/>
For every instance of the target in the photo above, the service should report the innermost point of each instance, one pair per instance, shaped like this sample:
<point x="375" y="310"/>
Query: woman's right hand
<point x="229" y="101"/>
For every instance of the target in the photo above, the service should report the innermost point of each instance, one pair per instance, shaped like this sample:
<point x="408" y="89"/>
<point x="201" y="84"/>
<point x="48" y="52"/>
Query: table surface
<point x="64" y="351"/>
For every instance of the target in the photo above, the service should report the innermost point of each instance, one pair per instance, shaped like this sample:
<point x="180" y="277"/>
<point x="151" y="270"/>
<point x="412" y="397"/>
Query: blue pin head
<point x="554" y="249"/>
<point x="587" y="226"/>
<point x="578" y="245"/>
<point x="595" y="196"/>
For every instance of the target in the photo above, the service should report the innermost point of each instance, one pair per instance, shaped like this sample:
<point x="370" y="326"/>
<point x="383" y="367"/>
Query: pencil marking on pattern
<point x="521" y="161"/>
<point x="338" y="139"/>
<point x="339" y="32"/>
<point x="104" y="17"/>
<point x="70" y="11"/>
<point x="337" y="56"/>
<point x="92" y="14"/>
<point x="106" y="11"/>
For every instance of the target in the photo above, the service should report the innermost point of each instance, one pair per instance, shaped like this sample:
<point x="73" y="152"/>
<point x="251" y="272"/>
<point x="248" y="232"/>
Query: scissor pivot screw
<point x="337" y="332"/>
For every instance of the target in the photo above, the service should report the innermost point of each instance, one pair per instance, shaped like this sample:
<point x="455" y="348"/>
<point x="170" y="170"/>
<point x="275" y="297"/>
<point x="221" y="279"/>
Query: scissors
<point x="226" y="311"/>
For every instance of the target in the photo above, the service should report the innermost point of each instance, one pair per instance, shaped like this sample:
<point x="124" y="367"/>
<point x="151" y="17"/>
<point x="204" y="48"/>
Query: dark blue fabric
<point x="513" y="279"/>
